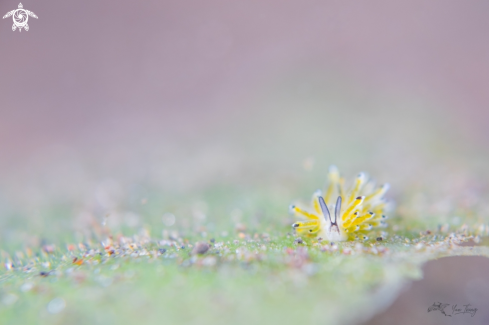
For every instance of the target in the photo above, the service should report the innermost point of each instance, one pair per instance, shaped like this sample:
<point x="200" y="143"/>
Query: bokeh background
<point x="136" y="109"/>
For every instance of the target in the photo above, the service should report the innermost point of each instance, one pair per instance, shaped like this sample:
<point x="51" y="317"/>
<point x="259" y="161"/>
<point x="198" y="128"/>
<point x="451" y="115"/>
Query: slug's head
<point x="332" y="230"/>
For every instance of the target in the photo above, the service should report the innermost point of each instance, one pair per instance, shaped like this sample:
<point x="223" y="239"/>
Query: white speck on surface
<point x="168" y="219"/>
<point x="56" y="305"/>
<point x="26" y="287"/>
<point x="104" y="281"/>
<point x="9" y="299"/>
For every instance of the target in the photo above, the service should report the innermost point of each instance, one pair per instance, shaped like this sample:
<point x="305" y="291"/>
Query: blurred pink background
<point x="93" y="73"/>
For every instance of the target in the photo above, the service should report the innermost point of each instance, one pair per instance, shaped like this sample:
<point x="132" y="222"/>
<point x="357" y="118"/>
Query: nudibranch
<point x="341" y="214"/>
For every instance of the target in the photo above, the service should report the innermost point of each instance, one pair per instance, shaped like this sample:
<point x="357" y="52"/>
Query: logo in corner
<point x="20" y="17"/>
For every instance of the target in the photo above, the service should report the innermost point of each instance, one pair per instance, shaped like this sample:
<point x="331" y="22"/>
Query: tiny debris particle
<point x="9" y="265"/>
<point x="379" y="238"/>
<point x="209" y="261"/>
<point x="240" y="227"/>
<point x="77" y="261"/>
<point x="200" y="248"/>
<point x="324" y="248"/>
<point x="298" y="241"/>
<point x="48" y="249"/>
